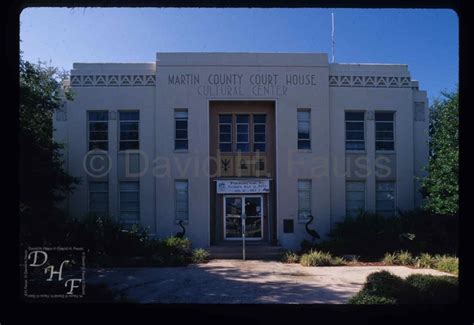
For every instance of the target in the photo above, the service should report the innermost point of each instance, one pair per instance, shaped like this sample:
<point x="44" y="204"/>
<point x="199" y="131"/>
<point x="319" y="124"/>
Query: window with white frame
<point x="304" y="129"/>
<point x="355" y="198"/>
<point x="181" y="129"/>
<point x="181" y="197"/>
<point x="385" y="200"/>
<point x="98" y="124"/>
<point x="225" y="132"/>
<point x="99" y="198"/>
<point x="259" y="132"/>
<point x="384" y="131"/>
<point x="130" y="201"/>
<point x="304" y="199"/>
<point x="355" y="130"/>
<point x="243" y="139"/>
<point x="129" y="130"/>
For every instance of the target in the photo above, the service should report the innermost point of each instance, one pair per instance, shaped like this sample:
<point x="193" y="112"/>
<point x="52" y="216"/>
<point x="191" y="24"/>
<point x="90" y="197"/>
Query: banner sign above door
<point x="237" y="186"/>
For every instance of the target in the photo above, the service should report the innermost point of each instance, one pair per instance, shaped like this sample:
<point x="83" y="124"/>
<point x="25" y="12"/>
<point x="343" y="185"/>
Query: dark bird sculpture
<point x="181" y="233"/>
<point x="313" y="233"/>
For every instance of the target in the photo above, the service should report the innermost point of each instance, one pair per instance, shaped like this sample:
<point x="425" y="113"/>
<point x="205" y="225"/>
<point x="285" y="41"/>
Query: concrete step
<point x="252" y="252"/>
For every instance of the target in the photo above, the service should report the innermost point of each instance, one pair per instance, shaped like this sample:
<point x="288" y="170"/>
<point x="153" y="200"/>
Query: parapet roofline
<point x="114" y="65"/>
<point x="224" y="52"/>
<point x="349" y="64"/>
<point x="367" y="69"/>
<point x="241" y="59"/>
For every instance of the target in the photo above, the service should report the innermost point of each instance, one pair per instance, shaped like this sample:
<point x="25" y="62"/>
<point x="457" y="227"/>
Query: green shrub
<point x="434" y="289"/>
<point x="398" y="258"/>
<point x="200" y="255"/>
<point x="447" y="264"/>
<point x="434" y="233"/>
<point x="172" y="251"/>
<point x="290" y="257"/>
<point x="351" y="258"/>
<point x="362" y="298"/>
<point x="386" y="288"/>
<point x="105" y="236"/>
<point x="404" y="258"/>
<point x="318" y="258"/>
<point x="315" y="258"/>
<point x="444" y="263"/>
<point x="366" y="234"/>
<point x="426" y="260"/>
<point x="390" y="259"/>
<point x="371" y="235"/>
<point x="110" y="243"/>
<point x="386" y="284"/>
<point x="177" y="243"/>
<point x="337" y="261"/>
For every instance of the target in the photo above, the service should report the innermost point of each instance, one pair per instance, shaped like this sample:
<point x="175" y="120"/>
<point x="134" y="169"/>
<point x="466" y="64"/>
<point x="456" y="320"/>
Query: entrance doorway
<point x="234" y="207"/>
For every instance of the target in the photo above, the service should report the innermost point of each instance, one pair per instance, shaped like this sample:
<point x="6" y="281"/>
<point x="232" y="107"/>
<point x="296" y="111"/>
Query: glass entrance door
<point x="234" y="207"/>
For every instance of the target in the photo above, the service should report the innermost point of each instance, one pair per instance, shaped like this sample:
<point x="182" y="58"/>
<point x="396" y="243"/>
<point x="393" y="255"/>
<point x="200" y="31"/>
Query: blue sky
<point x="426" y="40"/>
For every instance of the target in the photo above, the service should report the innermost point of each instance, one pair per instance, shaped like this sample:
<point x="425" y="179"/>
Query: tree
<point x="441" y="186"/>
<point x="43" y="180"/>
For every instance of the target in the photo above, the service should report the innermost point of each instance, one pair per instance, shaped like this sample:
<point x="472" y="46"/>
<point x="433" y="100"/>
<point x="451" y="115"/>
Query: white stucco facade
<point x="290" y="81"/>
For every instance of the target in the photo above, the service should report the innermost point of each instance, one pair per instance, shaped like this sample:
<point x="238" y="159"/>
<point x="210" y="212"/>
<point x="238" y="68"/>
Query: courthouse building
<point x="269" y="138"/>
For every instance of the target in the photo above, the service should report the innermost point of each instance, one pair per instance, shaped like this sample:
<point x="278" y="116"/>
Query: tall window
<point x="181" y="129"/>
<point x="130" y="201"/>
<point x="385" y="203"/>
<point x="355" y="198"/>
<point x="98" y="130"/>
<point x="259" y="132"/>
<point x="181" y="197"/>
<point x="304" y="129"/>
<point x="355" y="131"/>
<point x="304" y="199"/>
<point x="225" y="132"/>
<point x="129" y="130"/>
<point x="98" y="198"/>
<point x="243" y="141"/>
<point x="384" y="139"/>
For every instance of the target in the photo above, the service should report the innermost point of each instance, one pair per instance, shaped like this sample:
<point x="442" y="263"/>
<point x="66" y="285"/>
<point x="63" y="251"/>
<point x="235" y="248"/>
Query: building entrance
<point x="238" y="208"/>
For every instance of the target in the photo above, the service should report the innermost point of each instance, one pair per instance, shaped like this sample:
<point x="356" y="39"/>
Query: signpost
<point x="243" y="216"/>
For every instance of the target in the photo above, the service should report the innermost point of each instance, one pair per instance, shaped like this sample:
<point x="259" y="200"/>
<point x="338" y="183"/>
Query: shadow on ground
<point x="228" y="282"/>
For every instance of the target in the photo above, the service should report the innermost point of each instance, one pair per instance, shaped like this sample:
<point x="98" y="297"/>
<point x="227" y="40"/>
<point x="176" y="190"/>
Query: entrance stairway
<point x="253" y="251"/>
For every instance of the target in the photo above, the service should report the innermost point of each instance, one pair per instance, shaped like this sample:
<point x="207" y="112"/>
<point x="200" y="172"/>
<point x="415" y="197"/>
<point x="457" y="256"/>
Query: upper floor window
<point x="304" y="129"/>
<point x="181" y="129"/>
<point x="259" y="132"/>
<point x="225" y="132"/>
<point x="384" y="131"/>
<point x="129" y="130"/>
<point x="242" y="132"/>
<point x="243" y="141"/>
<point x="98" y="130"/>
<point x="355" y="131"/>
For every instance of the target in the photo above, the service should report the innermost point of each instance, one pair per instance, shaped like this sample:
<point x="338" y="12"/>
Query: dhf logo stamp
<point x="54" y="272"/>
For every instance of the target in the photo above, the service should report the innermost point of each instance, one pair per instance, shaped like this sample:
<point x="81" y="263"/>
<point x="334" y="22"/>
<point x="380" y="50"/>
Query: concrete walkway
<point x="236" y="281"/>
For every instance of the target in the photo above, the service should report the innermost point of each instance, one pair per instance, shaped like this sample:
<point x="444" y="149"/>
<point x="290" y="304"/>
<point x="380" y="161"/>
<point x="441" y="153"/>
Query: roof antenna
<point x="332" y="36"/>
